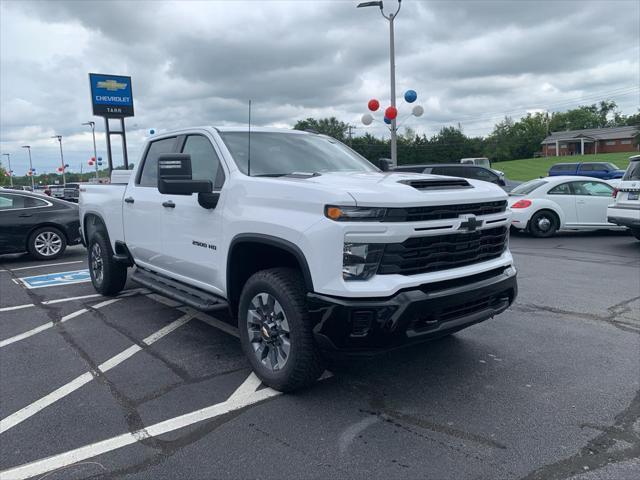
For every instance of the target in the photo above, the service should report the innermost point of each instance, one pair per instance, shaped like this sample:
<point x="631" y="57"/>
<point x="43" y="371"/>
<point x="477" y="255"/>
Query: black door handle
<point x="129" y="200"/>
<point x="169" y="204"/>
<point x="25" y="215"/>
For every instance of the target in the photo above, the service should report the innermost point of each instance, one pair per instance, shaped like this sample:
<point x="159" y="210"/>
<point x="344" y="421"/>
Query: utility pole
<point x="350" y="129"/>
<point x="33" y="184"/>
<point x="10" y="171"/>
<point x="392" y="70"/>
<point x="95" y="152"/>
<point x="59" y="137"/>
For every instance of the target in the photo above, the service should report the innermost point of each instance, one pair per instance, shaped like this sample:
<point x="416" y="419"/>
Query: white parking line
<point x="48" y="325"/>
<point x="125" y="293"/>
<point x="30" y="410"/>
<point x="55" y="462"/>
<point x="43" y="265"/>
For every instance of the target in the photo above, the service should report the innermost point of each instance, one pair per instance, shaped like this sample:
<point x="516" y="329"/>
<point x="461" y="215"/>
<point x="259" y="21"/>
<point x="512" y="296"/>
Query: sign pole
<point x="108" y="132"/>
<point x="124" y="144"/>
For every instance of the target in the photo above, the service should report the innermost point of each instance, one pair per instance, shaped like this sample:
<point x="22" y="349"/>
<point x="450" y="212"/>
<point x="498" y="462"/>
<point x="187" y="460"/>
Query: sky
<point x="199" y="62"/>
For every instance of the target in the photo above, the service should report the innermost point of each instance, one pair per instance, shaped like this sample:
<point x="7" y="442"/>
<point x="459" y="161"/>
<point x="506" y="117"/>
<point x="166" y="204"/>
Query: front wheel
<point x="107" y="276"/>
<point x="276" y="332"/>
<point x="543" y="224"/>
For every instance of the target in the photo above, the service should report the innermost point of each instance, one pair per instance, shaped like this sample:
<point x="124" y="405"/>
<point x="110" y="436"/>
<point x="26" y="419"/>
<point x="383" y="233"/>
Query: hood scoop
<point x="437" y="184"/>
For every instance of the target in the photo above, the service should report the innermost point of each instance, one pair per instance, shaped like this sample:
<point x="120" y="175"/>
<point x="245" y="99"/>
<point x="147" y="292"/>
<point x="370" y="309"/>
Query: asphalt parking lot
<point x="139" y="387"/>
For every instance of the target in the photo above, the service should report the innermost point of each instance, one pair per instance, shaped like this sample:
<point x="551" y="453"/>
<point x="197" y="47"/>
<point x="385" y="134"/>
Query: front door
<point x="563" y="196"/>
<point x="142" y="208"/>
<point x="191" y="234"/>
<point x="592" y="199"/>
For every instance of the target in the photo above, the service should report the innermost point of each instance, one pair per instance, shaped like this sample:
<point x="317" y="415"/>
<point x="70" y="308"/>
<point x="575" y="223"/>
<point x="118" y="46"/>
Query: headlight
<point x="360" y="260"/>
<point x="354" y="214"/>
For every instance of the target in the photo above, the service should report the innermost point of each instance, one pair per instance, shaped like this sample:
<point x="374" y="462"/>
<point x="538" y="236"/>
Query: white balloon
<point x="417" y="111"/>
<point x="367" y="119"/>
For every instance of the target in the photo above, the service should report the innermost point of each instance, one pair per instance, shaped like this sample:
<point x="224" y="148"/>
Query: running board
<point x="178" y="291"/>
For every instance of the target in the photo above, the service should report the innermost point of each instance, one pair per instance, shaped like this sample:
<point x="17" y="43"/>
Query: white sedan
<point x="545" y="205"/>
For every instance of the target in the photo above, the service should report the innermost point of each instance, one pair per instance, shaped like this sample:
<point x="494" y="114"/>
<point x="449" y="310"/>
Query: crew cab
<point x="309" y="246"/>
<point x="625" y="209"/>
<point x="603" y="170"/>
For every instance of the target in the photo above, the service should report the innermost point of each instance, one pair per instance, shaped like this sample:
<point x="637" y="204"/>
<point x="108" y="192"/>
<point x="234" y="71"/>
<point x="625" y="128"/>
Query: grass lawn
<point x="529" y="168"/>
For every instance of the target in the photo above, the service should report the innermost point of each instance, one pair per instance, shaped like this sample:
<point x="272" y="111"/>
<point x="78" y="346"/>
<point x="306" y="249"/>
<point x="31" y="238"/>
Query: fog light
<point x="360" y="260"/>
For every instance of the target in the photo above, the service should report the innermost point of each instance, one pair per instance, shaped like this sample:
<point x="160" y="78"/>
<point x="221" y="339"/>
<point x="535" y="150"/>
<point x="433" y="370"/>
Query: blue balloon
<point x="387" y="121"/>
<point x="410" y="96"/>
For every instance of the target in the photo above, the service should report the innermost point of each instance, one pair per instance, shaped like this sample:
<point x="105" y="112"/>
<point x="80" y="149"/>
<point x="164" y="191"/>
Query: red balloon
<point x="391" y="112"/>
<point x="373" y="104"/>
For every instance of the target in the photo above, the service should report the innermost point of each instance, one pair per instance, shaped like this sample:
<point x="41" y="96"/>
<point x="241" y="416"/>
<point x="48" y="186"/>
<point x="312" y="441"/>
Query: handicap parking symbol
<point x="56" y="279"/>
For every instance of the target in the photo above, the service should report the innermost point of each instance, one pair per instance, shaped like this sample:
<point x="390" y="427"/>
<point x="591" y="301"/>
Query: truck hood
<point x="394" y="189"/>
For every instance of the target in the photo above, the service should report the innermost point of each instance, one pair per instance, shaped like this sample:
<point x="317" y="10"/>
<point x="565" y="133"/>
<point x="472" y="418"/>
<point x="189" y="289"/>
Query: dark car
<point x="603" y="170"/>
<point x="34" y="223"/>
<point x="473" y="172"/>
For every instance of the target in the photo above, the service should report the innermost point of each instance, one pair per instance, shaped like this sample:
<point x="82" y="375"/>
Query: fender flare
<point x="269" y="240"/>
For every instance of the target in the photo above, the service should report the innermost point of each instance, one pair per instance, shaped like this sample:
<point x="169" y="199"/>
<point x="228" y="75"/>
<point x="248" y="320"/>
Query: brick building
<point x="592" y="140"/>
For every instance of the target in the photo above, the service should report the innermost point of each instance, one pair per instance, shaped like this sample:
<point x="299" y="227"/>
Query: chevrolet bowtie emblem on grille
<point x="470" y="223"/>
<point x="112" y="85"/>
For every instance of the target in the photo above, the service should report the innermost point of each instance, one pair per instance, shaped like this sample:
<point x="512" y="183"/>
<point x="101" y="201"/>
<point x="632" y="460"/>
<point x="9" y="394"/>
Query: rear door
<point x="142" y="209"/>
<point x="191" y="234"/>
<point x="562" y="195"/>
<point x="18" y="216"/>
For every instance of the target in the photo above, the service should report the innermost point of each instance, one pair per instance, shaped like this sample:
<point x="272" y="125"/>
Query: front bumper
<point x="366" y="326"/>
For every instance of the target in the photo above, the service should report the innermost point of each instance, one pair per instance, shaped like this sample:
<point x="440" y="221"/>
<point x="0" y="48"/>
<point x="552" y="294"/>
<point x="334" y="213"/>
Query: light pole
<point x="33" y="185"/>
<point x="392" y="64"/>
<point x="59" y="137"/>
<point x="95" y="152"/>
<point x="10" y="172"/>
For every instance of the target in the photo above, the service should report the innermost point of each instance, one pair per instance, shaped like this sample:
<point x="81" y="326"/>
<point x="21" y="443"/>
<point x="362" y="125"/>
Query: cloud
<point x="199" y="62"/>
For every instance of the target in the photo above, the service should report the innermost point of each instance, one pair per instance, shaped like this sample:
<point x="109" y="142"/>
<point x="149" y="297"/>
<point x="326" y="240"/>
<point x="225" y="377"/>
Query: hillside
<point x="529" y="168"/>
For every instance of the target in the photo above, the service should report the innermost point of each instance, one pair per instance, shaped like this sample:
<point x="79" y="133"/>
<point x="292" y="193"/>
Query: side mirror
<point x="383" y="164"/>
<point x="501" y="182"/>
<point x="174" y="176"/>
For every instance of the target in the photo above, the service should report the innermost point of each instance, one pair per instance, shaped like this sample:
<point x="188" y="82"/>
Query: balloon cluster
<point x="391" y="112"/>
<point x="31" y="172"/>
<point x="92" y="161"/>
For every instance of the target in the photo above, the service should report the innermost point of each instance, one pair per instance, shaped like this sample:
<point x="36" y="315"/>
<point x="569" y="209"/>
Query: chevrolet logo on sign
<point x="112" y="85"/>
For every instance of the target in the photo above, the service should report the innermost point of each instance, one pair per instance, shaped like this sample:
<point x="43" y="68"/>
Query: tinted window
<point x="587" y="167"/>
<point x="205" y="164"/>
<point x="633" y="171"/>
<point x="283" y="153"/>
<point x="482" y="174"/>
<point x="149" y="176"/>
<point x="612" y="166"/>
<point x="562" y="189"/>
<point x="8" y="202"/>
<point x="452" y="171"/>
<point x="527" y="187"/>
<point x="593" y="189"/>
<point x="563" y="167"/>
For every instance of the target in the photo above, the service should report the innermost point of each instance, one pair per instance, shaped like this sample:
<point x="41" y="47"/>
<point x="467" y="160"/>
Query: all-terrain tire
<point x="304" y="363"/>
<point x="107" y="276"/>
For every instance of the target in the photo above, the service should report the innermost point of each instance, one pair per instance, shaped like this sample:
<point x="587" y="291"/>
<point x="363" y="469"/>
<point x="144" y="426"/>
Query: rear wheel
<point x="276" y="332"/>
<point x="47" y="243"/>
<point x="107" y="276"/>
<point x="543" y="224"/>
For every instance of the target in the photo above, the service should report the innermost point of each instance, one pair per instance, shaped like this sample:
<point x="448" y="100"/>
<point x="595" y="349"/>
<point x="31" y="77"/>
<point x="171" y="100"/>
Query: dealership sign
<point x="111" y="95"/>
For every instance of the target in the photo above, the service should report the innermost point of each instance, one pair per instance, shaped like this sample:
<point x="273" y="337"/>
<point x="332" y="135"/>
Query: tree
<point x="327" y="126"/>
<point x="4" y="177"/>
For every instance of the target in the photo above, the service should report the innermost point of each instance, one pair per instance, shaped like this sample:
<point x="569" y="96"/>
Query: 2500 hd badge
<point x="203" y="245"/>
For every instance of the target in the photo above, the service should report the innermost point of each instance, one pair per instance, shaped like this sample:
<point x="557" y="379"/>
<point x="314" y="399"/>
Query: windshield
<point x="633" y="171"/>
<point x="613" y="166"/>
<point x="276" y="154"/>
<point x="527" y="187"/>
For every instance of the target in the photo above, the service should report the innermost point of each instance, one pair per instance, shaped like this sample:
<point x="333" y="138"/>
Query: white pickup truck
<point x="309" y="246"/>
